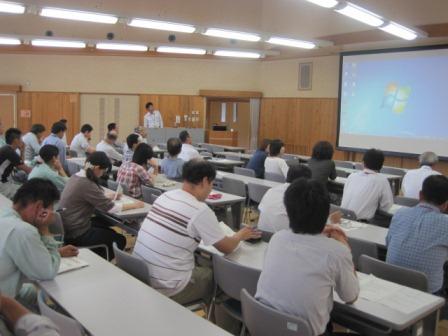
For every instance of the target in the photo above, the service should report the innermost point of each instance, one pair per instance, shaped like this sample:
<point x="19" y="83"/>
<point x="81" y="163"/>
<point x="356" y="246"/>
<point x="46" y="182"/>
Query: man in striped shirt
<point x="172" y="231"/>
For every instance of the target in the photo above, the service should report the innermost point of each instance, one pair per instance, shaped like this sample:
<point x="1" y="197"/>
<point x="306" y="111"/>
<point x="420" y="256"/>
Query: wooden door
<point x="7" y="110"/>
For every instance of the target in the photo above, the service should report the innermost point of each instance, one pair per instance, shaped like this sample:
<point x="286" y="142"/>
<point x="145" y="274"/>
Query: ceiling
<point x="290" y="18"/>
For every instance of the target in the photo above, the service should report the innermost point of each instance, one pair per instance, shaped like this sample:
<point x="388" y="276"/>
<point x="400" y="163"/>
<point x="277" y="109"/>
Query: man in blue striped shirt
<point x="418" y="236"/>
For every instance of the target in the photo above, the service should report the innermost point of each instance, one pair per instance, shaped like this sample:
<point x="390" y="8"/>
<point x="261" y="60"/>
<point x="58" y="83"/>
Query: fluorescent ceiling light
<point x="69" y="14"/>
<point x="162" y="25"/>
<point x="361" y="14"/>
<point x="121" y="46"/>
<point x="291" y="43"/>
<point x="400" y="31"/>
<point x="179" y="50"/>
<point x="230" y="34"/>
<point x="11" y="8"/>
<point x="9" y="41"/>
<point x="231" y="53"/>
<point x="58" y="43"/>
<point x="324" y="3"/>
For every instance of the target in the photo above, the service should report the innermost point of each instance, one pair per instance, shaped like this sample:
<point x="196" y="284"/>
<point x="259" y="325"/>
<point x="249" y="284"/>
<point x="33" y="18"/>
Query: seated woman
<point x="321" y="164"/>
<point x="81" y="197"/>
<point x="256" y="163"/>
<point x="274" y="162"/>
<point x="134" y="174"/>
<point x="51" y="168"/>
<point x="172" y="165"/>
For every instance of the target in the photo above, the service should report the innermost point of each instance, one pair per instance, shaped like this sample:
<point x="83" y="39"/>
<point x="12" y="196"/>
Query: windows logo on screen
<point x="396" y="97"/>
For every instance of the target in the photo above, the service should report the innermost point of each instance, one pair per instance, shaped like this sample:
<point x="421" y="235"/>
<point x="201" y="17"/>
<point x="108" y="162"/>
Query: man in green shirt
<point x="27" y="249"/>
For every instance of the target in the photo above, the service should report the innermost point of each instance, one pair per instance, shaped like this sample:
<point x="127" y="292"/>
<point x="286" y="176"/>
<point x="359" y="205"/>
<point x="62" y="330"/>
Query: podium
<point x="225" y="138"/>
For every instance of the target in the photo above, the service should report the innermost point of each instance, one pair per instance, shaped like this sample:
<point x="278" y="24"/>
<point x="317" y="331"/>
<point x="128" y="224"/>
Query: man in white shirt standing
<point x="153" y="118"/>
<point x="367" y="191"/>
<point x="178" y="221"/>
<point x="107" y="146"/>
<point x="413" y="180"/>
<point x="188" y="152"/>
<point x="80" y="143"/>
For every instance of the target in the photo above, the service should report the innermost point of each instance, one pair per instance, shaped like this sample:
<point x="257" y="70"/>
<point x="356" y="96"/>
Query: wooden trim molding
<point x="230" y="94"/>
<point x="10" y="88"/>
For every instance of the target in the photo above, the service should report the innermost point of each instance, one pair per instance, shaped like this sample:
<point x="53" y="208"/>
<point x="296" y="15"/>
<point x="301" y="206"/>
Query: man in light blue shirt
<point x="32" y="141"/>
<point x="418" y="236"/>
<point x="27" y="249"/>
<point x="172" y="165"/>
<point x="55" y="138"/>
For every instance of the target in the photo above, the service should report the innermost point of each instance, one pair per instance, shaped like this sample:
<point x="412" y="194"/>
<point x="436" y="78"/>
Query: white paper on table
<point x="70" y="264"/>
<point x="348" y="225"/>
<point x="375" y="289"/>
<point x="124" y="201"/>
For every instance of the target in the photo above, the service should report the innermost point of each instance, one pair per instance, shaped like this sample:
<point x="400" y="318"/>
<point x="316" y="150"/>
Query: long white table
<point x="365" y="232"/>
<point x="80" y="161"/>
<point x="108" y="301"/>
<point x="224" y="147"/>
<point x="252" y="255"/>
<point x="246" y="179"/>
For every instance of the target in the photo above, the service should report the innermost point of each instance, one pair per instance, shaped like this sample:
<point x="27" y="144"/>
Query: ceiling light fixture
<point x="9" y="41"/>
<point x="230" y="34"/>
<point x="75" y="15"/>
<point x="239" y="54"/>
<point x="181" y="50"/>
<point x="11" y="8"/>
<point x="324" y="3"/>
<point x="58" y="43"/>
<point x="400" y="31"/>
<point x="121" y="46"/>
<point x="291" y="43"/>
<point x="162" y="25"/>
<point x="360" y="14"/>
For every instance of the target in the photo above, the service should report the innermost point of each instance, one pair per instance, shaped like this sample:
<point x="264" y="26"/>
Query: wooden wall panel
<point x="172" y="105"/>
<point x="301" y="122"/>
<point x="47" y="108"/>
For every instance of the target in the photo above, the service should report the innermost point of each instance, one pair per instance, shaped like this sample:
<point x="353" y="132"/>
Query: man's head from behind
<point x="34" y="201"/>
<point x="373" y="159"/>
<point x="298" y="171"/>
<point x="307" y="205"/>
<point x="174" y="146"/>
<point x="13" y="137"/>
<point x="111" y="138"/>
<point x="58" y="129"/>
<point x="435" y="191"/>
<point x="132" y="141"/>
<point x="184" y="137"/>
<point x="198" y="176"/>
<point x="428" y="159"/>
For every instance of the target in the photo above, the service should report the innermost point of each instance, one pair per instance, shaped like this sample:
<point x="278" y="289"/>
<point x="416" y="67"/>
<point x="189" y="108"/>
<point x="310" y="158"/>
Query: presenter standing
<point x="153" y="118"/>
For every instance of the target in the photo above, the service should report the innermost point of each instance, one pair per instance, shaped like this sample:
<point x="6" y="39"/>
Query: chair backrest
<point x="290" y="157"/>
<point x="234" y="187"/>
<point x="393" y="171"/>
<point x="66" y="325"/>
<point x="113" y="185"/>
<point x="215" y="149"/>
<point x="72" y="167"/>
<point x="274" y="177"/>
<point x="362" y="247"/>
<point x="232" y="277"/>
<point x="232" y="157"/>
<point x="346" y="213"/>
<point x="57" y="227"/>
<point x="262" y="320"/>
<point x="256" y="191"/>
<point x="206" y="154"/>
<point x="343" y="164"/>
<point x="359" y="165"/>
<point x="400" y="275"/>
<point x="341" y="173"/>
<point x="244" y="171"/>
<point x="72" y="153"/>
<point x="132" y="265"/>
<point x="406" y="201"/>
<point x="150" y="194"/>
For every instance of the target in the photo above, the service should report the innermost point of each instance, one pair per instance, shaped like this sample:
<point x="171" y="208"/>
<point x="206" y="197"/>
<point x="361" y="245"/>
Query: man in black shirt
<point x="9" y="159"/>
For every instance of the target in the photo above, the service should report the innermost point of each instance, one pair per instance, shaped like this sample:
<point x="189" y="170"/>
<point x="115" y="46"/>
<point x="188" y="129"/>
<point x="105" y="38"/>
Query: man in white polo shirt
<point x="413" y="180"/>
<point x="367" y="191"/>
<point x="153" y="118"/>
<point x="173" y="229"/>
<point x="80" y="143"/>
<point x="188" y="152"/>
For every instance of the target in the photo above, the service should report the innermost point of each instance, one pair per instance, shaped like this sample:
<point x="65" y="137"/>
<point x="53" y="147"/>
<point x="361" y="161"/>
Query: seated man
<point x="274" y="163"/>
<point x="27" y="248"/>
<point x="188" y="152"/>
<point x="413" y="180"/>
<point x="107" y="146"/>
<point x="22" y="321"/>
<point x="172" y="165"/>
<point x="9" y="159"/>
<point x="273" y="216"/>
<point x="132" y="142"/>
<point x="172" y="231"/>
<point x="256" y="162"/>
<point x="367" y="191"/>
<point x="304" y="265"/>
<point x="418" y="236"/>
<point x="32" y="141"/>
<point x="55" y="138"/>
<point x="80" y="143"/>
